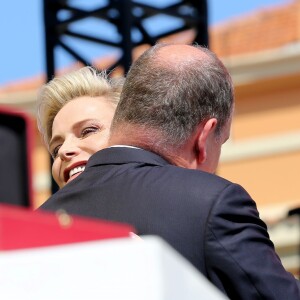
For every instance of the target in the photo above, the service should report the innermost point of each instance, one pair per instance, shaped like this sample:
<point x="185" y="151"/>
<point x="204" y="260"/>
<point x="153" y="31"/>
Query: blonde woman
<point x="74" y="117"/>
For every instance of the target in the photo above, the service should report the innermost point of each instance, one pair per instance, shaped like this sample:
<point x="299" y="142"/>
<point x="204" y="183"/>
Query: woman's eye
<point x="88" y="130"/>
<point x="54" y="152"/>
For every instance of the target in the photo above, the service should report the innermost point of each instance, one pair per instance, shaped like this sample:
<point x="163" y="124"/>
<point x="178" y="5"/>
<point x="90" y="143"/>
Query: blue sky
<point x="22" y="37"/>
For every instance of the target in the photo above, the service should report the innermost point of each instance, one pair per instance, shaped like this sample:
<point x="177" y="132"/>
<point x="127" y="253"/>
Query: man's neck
<point x="151" y="140"/>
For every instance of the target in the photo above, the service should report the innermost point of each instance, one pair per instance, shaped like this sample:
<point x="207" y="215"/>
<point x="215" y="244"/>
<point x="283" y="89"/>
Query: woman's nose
<point x="68" y="150"/>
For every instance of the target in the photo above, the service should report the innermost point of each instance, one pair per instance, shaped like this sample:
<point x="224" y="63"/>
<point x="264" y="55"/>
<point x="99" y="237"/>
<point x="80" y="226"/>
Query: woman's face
<point x="79" y="129"/>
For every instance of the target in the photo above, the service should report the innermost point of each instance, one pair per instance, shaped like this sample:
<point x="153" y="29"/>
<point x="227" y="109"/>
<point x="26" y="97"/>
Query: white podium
<point x="115" y="269"/>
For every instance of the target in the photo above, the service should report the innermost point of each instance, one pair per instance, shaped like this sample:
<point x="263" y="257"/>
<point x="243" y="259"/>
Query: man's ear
<point x="205" y="133"/>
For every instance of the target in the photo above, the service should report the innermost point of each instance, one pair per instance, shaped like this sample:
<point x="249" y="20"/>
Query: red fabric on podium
<point x="23" y="228"/>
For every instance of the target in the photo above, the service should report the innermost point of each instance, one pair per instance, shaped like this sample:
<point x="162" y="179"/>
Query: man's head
<point x="177" y="101"/>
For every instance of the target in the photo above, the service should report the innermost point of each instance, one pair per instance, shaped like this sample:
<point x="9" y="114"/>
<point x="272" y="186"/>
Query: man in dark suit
<point x="158" y="175"/>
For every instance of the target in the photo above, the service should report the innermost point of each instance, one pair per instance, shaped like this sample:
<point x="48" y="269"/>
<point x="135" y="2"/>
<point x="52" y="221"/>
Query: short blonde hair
<point x="86" y="81"/>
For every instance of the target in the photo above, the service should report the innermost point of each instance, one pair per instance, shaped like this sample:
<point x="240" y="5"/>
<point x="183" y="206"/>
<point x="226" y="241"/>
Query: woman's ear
<point x="205" y="133"/>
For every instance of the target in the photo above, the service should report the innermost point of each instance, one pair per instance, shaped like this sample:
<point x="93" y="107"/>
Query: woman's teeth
<point x="76" y="170"/>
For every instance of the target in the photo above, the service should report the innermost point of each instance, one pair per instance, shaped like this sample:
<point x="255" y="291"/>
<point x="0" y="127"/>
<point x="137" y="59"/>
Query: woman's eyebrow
<point x="82" y="122"/>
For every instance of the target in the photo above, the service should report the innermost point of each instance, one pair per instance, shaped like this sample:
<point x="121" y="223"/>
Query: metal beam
<point x="132" y="23"/>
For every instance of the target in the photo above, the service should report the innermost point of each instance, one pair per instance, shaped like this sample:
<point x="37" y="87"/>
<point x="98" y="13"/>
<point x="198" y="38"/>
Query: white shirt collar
<point x="123" y="146"/>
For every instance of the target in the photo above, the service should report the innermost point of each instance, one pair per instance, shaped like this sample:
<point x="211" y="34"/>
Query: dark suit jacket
<point x="209" y="220"/>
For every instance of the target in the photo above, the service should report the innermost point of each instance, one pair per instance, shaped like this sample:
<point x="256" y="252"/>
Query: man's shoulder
<point x="143" y="161"/>
<point x="197" y="175"/>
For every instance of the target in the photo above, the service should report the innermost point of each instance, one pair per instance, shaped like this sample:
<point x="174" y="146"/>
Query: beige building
<point x="262" y="52"/>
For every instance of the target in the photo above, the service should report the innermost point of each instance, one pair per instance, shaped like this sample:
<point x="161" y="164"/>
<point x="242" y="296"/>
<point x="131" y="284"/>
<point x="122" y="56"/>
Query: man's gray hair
<point x="174" y="99"/>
